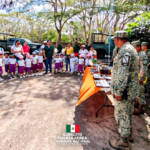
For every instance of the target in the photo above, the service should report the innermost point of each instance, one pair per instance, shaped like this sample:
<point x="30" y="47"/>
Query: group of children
<point x="77" y="63"/>
<point x="26" y="67"/>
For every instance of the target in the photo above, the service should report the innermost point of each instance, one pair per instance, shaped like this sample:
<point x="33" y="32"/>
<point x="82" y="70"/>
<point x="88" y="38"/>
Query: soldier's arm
<point x="122" y="73"/>
<point x="143" y="69"/>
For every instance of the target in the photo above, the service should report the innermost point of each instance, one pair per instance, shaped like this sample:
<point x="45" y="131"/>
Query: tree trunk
<point x="59" y="36"/>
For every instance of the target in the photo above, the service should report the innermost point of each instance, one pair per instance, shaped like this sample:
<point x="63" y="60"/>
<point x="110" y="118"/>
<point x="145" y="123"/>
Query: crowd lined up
<point x="20" y="61"/>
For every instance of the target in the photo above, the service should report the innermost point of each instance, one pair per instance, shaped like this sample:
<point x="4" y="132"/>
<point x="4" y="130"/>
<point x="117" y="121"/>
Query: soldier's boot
<point x="141" y="109"/>
<point x="136" y="105"/>
<point x="122" y="144"/>
<point x="137" y="111"/>
<point x="131" y="140"/>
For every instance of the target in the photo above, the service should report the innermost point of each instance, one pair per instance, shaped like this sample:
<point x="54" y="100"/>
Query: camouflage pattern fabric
<point x="115" y="51"/>
<point x="143" y="73"/>
<point x="144" y="44"/>
<point x="125" y="80"/>
<point x="124" y="116"/>
<point x="121" y="34"/>
<point x="142" y="65"/>
<point x="148" y="73"/>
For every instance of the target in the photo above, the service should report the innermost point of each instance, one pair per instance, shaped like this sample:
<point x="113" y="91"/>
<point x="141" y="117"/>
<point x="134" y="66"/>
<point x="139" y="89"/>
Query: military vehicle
<point x="99" y="44"/>
<point x="8" y="42"/>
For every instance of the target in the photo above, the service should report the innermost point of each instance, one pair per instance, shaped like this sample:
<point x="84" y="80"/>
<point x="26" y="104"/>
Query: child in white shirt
<point x="61" y="61"/>
<point x="12" y="66"/>
<point x="72" y="63"/>
<point x="40" y="63"/>
<point x="76" y="63"/>
<point x="21" y="69"/>
<point x="80" y="65"/>
<point x="57" y="63"/>
<point x="1" y="69"/>
<point x="28" y="64"/>
<point x="6" y="61"/>
<point x="87" y="60"/>
<point x="34" y="64"/>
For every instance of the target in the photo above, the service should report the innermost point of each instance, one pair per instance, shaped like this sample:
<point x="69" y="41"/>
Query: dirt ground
<point x="34" y="112"/>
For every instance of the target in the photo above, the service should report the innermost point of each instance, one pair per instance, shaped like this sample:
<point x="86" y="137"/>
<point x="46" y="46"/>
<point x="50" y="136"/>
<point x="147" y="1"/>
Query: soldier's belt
<point x="145" y="79"/>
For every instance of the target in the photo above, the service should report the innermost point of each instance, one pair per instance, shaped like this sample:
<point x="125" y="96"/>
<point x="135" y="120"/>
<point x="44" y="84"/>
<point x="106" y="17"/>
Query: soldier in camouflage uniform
<point x="142" y="76"/>
<point x="125" y="88"/>
<point x="147" y="51"/>
<point x="115" y="52"/>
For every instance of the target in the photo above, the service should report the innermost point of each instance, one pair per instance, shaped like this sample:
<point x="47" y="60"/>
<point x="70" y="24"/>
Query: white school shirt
<point x="12" y="61"/>
<point x="81" y="61"/>
<point x="92" y="52"/>
<point x="42" y="47"/>
<point x="37" y="56"/>
<point x="28" y="62"/>
<point x="40" y="59"/>
<point x="1" y="60"/>
<point x="6" y="61"/>
<point x="61" y="59"/>
<point x="17" y="49"/>
<point x="2" y="50"/>
<point x="83" y="52"/>
<point x="21" y="63"/>
<point x="76" y="60"/>
<point x="57" y="60"/>
<point x="34" y="60"/>
<point x="72" y="60"/>
<point x="87" y="62"/>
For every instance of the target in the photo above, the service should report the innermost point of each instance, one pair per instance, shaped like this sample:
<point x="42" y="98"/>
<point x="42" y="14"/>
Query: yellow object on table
<point x="88" y="88"/>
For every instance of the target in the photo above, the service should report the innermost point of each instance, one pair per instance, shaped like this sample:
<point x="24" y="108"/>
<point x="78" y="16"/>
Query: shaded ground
<point x="34" y="111"/>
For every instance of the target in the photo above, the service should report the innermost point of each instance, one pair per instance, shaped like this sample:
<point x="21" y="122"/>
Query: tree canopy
<point x="73" y="20"/>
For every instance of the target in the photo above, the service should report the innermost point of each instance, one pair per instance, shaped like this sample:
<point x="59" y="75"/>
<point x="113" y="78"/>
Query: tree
<point x="140" y="28"/>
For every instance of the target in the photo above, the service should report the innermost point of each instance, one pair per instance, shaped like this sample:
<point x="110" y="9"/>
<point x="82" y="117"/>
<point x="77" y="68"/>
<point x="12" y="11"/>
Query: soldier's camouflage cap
<point x="144" y="44"/>
<point x="136" y="43"/>
<point x="121" y="34"/>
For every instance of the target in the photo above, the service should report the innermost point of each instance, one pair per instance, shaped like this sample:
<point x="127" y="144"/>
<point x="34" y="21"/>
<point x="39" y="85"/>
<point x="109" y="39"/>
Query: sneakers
<point x="14" y="77"/>
<point x="1" y="79"/>
<point x="10" y="77"/>
<point x="20" y="77"/>
<point x="32" y="75"/>
<point x="82" y="74"/>
<point x="40" y="74"/>
<point x="24" y="77"/>
<point x="78" y="74"/>
<point x="36" y="74"/>
<point x="8" y="74"/>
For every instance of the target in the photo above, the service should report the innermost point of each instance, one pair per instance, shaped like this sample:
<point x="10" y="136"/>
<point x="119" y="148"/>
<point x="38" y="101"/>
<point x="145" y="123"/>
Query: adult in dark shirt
<point x="76" y="48"/>
<point x="59" y="48"/>
<point x="49" y="55"/>
<point x="87" y="46"/>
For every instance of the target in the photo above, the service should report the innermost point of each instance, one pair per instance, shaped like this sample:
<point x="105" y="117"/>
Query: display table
<point x="89" y="88"/>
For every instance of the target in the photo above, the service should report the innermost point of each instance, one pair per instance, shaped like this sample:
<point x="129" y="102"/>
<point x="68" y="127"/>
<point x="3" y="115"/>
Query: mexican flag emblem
<point x="72" y="128"/>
